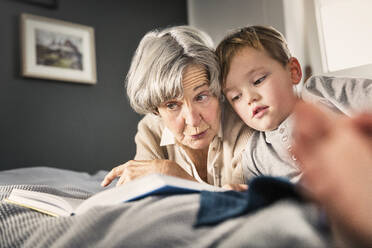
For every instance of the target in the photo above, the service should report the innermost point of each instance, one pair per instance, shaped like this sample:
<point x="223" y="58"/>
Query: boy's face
<point x="260" y="89"/>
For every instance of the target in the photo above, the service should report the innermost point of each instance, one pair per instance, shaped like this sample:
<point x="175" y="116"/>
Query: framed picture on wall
<point x="57" y="50"/>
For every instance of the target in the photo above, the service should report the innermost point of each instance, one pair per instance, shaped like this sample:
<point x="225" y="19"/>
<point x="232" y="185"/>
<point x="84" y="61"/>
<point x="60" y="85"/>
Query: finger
<point x="310" y="122"/>
<point x="311" y="127"/>
<point x="364" y="123"/>
<point x="227" y="187"/>
<point x="243" y="187"/>
<point x="114" y="173"/>
<point x="236" y="187"/>
<point x="304" y="190"/>
<point x="117" y="172"/>
<point x="127" y="176"/>
<point x="121" y="181"/>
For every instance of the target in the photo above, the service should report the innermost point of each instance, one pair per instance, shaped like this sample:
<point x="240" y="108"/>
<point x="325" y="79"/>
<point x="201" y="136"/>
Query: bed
<point x="155" y="221"/>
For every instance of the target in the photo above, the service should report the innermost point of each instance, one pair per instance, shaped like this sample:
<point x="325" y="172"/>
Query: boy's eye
<point x="235" y="98"/>
<point x="257" y="82"/>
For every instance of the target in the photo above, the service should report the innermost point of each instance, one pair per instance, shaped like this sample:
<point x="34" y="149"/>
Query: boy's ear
<point x="295" y="69"/>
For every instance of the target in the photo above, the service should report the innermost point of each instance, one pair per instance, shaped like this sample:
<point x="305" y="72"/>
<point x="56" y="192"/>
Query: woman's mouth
<point x="199" y="135"/>
<point x="258" y="112"/>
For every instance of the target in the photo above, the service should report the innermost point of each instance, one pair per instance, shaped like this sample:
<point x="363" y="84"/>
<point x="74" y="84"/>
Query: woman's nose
<point x="192" y="116"/>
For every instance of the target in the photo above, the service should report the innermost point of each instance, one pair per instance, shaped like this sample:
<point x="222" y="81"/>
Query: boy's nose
<point x="251" y="97"/>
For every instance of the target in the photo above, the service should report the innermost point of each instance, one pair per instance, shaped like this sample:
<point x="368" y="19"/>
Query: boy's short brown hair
<point x="259" y="37"/>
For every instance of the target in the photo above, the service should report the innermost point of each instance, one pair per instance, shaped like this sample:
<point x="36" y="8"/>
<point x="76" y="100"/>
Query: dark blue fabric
<point x="262" y="191"/>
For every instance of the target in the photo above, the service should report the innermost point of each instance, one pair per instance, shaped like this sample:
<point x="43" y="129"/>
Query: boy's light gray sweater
<point x="268" y="153"/>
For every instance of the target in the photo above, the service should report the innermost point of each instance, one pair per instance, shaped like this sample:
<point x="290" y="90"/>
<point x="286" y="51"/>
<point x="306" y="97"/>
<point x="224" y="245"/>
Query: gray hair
<point x="155" y="74"/>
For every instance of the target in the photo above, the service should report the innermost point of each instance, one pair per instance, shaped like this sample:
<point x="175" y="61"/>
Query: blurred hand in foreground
<point x="335" y="154"/>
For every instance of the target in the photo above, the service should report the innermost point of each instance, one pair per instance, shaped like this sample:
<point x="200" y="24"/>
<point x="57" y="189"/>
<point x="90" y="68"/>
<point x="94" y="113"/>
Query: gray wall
<point x="218" y="17"/>
<point x="69" y="125"/>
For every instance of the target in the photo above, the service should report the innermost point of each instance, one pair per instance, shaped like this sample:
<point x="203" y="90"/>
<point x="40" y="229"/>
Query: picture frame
<point x="57" y="50"/>
<point x="50" y="4"/>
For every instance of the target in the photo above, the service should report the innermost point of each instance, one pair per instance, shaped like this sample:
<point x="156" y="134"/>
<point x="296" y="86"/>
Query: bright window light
<point x="345" y="30"/>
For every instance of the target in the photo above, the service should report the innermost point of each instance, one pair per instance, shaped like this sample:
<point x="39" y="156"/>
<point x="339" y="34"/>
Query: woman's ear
<point x="295" y="69"/>
<point x="156" y="112"/>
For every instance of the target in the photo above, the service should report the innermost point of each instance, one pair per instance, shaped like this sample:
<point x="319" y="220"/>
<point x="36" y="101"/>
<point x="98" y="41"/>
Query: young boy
<point x="257" y="76"/>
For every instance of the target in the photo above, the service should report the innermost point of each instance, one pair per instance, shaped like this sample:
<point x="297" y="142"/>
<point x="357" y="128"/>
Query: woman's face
<point x="194" y="119"/>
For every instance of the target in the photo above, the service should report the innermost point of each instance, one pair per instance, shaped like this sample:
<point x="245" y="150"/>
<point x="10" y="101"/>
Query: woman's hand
<point x="236" y="187"/>
<point x="138" y="168"/>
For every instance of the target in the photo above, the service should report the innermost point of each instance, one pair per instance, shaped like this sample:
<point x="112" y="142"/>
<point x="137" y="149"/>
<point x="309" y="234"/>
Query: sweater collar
<point x="283" y="129"/>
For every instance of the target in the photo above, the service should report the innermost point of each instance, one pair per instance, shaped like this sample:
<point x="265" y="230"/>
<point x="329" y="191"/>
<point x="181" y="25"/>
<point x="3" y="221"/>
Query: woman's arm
<point x="150" y="156"/>
<point x="148" y="138"/>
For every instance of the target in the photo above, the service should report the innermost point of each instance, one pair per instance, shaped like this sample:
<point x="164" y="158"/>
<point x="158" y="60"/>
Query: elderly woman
<point x="187" y="131"/>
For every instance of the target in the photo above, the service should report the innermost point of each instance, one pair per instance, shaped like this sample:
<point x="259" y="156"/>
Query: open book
<point x="154" y="184"/>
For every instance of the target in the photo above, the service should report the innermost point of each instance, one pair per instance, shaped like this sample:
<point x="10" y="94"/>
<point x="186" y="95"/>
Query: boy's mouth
<point x="258" y="112"/>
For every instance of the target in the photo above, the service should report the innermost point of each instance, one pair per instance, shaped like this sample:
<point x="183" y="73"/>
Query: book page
<point x="119" y="194"/>
<point x="44" y="202"/>
<point x="154" y="184"/>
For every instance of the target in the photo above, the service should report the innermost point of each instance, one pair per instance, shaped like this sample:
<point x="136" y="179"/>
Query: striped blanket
<point x="155" y="221"/>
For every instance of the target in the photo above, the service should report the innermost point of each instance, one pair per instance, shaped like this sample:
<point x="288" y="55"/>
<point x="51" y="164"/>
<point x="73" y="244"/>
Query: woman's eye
<point x="257" y="82"/>
<point x="172" y="106"/>
<point x="202" y="97"/>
